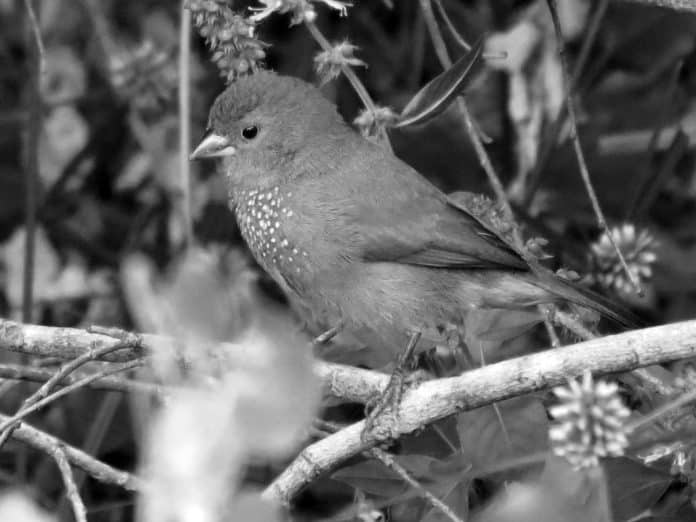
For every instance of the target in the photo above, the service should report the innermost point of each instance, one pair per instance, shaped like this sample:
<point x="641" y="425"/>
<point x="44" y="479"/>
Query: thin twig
<point x="575" y="138"/>
<point x="71" y="490"/>
<point x="21" y="372"/>
<point x="31" y="159"/>
<point x="450" y="26"/>
<point x="550" y="136"/>
<point x="98" y="470"/>
<point x="388" y="460"/>
<point x="12" y="421"/>
<point x="185" y="121"/>
<point x="678" y="5"/>
<point x="38" y="40"/>
<point x="662" y="410"/>
<point x="547" y="312"/>
<point x="325" y="428"/>
<point x="325" y="337"/>
<point x="100" y="425"/>
<point x="435" y="35"/>
<point x="64" y="371"/>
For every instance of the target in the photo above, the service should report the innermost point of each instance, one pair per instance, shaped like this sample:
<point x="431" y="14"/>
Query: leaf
<point x="634" y="488"/>
<point x="455" y="494"/>
<point x="486" y="441"/>
<point x="439" y="92"/>
<point x="372" y="477"/>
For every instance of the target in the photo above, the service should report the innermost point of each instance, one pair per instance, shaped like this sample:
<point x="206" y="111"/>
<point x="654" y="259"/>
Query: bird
<point x="354" y="235"/>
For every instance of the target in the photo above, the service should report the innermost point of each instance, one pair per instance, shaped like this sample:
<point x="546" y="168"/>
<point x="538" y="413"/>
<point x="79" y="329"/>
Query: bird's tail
<point x="579" y="295"/>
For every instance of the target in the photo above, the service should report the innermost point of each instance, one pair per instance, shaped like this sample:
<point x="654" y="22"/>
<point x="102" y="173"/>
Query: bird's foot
<point x="382" y="419"/>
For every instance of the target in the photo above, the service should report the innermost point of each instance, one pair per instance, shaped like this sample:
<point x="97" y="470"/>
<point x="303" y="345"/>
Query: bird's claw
<point x="382" y="419"/>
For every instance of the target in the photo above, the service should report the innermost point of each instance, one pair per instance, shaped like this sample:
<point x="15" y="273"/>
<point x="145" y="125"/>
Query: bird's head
<point x="264" y="120"/>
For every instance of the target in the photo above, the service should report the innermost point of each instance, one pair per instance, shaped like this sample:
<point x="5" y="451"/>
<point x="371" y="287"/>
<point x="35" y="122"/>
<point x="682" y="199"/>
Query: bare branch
<point x="70" y="487"/>
<point x="48" y="444"/>
<point x="388" y="460"/>
<point x="678" y="5"/>
<point x="81" y="383"/>
<point x="433" y="400"/>
<point x="185" y="120"/>
<point x="20" y="372"/>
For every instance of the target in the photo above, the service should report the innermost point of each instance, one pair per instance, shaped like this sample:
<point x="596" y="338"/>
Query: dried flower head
<point x="371" y="123"/>
<point x="230" y="36"/>
<point x="637" y="246"/>
<point x="589" y="422"/>
<point x="328" y="63"/>
<point x="301" y="10"/>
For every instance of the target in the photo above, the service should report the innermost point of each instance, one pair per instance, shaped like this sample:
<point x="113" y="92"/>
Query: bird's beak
<point x="213" y="146"/>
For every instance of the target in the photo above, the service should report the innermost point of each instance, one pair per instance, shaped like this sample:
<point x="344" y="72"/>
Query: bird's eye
<point x="249" y="133"/>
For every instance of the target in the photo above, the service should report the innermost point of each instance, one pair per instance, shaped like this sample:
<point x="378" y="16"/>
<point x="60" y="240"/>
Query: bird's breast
<point x="265" y="218"/>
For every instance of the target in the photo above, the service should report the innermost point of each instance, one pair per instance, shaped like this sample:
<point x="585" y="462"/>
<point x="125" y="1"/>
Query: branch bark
<point x="421" y="405"/>
<point x="433" y="400"/>
<point x="49" y="444"/>
<point x="347" y="382"/>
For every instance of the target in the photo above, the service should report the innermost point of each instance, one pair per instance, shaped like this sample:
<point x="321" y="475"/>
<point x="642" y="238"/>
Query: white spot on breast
<point x="261" y="215"/>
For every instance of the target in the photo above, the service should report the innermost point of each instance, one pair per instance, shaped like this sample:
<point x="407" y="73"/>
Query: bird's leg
<point x="382" y="415"/>
<point x="329" y="334"/>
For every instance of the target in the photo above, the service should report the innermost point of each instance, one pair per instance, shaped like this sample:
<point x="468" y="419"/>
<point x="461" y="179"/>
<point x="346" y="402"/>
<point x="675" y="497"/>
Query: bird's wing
<point x="414" y="223"/>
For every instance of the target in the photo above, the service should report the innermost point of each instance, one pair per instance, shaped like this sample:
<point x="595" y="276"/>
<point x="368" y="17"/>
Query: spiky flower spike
<point x="230" y="36"/>
<point x="589" y="422"/>
<point x="638" y="247"/>
<point x="328" y="63"/>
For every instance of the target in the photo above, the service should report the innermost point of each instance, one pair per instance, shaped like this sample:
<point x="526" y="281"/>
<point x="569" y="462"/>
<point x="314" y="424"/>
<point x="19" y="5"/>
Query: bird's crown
<point x="264" y="89"/>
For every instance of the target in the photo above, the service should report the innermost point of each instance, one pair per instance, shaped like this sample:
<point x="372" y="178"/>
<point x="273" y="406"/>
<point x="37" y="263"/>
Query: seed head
<point x="589" y="422"/>
<point x="328" y="63"/>
<point x="638" y="247"/>
<point x="370" y="123"/>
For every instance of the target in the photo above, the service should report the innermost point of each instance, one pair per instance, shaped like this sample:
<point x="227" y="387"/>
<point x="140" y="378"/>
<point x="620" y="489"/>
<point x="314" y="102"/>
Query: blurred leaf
<point x="250" y="507"/>
<point x="372" y="477"/>
<point x="65" y="134"/>
<point x="65" y="78"/>
<point x="437" y="94"/>
<point x="486" y="442"/>
<point x="634" y="487"/>
<point x="505" y="324"/>
<point x="46" y="266"/>
<point x="19" y="507"/>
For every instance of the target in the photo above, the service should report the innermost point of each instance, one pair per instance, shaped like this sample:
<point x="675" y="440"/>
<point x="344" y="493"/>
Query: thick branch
<point x="433" y="400"/>
<point x="347" y="382"/>
<point x="422" y="405"/>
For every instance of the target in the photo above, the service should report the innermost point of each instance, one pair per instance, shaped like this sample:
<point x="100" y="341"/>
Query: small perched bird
<point x="352" y="233"/>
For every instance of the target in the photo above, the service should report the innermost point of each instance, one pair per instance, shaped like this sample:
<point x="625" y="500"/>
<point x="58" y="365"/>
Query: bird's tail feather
<point x="576" y="294"/>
